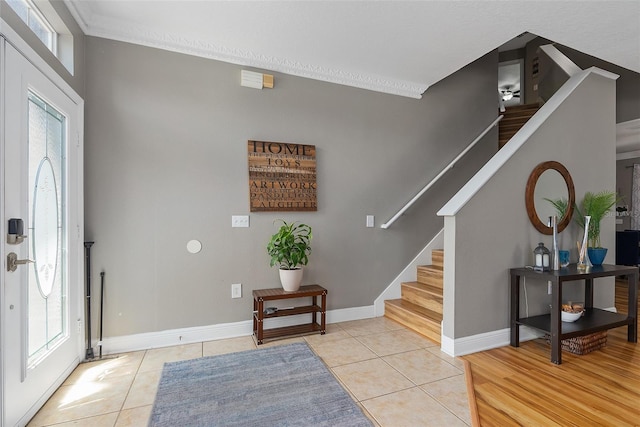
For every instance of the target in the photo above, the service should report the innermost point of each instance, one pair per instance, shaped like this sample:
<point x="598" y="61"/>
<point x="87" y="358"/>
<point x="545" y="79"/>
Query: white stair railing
<point x="445" y="170"/>
<point x="560" y="59"/>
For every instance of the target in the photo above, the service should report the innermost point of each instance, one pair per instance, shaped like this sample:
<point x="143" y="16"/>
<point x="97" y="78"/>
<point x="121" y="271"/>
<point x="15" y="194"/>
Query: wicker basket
<point x="584" y="344"/>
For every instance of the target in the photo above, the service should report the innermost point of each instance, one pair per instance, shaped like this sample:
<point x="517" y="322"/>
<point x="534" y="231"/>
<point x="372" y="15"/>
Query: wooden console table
<point x="594" y="319"/>
<point x="259" y="313"/>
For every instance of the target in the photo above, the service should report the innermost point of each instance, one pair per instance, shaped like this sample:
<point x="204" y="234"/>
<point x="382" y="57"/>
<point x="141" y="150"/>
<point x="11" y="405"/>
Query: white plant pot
<point x="291" y="279"/>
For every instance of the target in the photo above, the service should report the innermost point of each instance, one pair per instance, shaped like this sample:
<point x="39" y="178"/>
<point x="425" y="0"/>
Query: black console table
<point x="594" y="319"/>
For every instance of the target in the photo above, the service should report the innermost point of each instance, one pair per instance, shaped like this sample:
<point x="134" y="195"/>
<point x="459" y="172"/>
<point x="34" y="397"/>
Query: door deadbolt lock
<point x="13" y="262"/>
<point x="14" y="232"/>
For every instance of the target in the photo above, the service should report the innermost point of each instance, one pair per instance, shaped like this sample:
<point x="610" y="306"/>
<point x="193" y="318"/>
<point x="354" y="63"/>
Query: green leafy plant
<point x="289" y="247"/>
<point x="597" y="206"/>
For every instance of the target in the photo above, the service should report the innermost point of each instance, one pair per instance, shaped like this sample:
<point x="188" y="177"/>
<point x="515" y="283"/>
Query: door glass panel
<point x="47" y="294"/>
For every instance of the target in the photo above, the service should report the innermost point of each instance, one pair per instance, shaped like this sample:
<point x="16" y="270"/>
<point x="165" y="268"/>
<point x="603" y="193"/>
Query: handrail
<point x="446" y="169"/>
<point x="560" y="59"/>
<point x="471" y="188"/>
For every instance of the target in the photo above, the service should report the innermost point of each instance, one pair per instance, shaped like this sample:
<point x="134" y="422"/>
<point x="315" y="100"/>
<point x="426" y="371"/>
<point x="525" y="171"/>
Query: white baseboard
<point x="485" y="341"/>
<point x="452" y="347"/>
<point x="127" y="343"/>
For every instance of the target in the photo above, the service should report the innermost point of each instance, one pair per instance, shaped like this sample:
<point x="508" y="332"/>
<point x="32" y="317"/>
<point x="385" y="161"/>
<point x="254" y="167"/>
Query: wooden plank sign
<point x="282" y="177"/>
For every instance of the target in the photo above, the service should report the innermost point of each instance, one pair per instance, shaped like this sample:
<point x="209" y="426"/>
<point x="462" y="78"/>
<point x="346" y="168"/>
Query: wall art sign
<point x="282" y="177"/>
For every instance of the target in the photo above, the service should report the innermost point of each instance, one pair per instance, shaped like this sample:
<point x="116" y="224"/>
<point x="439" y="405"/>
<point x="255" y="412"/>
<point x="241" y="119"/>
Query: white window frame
<point x="35" y="13"/>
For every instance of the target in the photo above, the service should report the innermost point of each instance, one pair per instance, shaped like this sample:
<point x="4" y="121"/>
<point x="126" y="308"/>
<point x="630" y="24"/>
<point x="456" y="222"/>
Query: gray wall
<point x="627" y="85"/>
<point x="166" y="162"/>
<point x="493" y="232"/>
<point x="75" y="80"/>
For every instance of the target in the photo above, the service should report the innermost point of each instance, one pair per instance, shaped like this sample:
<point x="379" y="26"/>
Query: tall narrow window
<point x="47" y="295"/>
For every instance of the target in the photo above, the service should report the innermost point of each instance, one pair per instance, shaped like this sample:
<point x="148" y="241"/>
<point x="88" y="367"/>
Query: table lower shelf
<point x="594" y="320"/>
<point x="292" y="330"/>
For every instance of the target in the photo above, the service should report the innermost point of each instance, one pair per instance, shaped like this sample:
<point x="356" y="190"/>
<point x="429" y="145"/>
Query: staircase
<point x="420" y="307"/>
<point x="514" y="118"/>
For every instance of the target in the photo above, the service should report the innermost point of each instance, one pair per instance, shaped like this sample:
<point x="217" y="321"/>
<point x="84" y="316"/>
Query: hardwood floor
<point x="520" y="386"/>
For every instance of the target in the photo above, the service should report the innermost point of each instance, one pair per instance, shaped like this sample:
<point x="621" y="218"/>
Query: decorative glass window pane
<point x="21" y="8"/>
<point x="31" y="15"/>
<point x="47" y="292"/>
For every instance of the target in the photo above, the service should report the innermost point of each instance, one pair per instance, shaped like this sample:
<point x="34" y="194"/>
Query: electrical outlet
<point x="240" y="221"/>
<point x="549" y="287"/>
<point x="236" y="290"/>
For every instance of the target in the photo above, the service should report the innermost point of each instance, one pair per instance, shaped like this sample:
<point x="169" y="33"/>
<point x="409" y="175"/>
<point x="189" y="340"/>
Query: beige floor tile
<point x="87" y="399"/>
<point x="231" y="345"/>
<point x="455" y="361"/>
<point x="375" y="325"/>
<point x="333" y="333"/>
<point x="280" y="341"/>
<point x="109" y="367"/>
<point x="422" y="367"/>
<point x="452" y="393"/>
<point x="341" y="352"/>
<point x="143" y="390"/>
<point x="419" y="340"/>
<point x="106" y="420"/>
<point x="156" y="358"/>
<point x="96" y="391"/>
<point x="368" y="415"/>
<point x="371" y="378"/>
<point x="136" y="417"/>
<point x="390" y="342"/>
<point x="410" y="408"/>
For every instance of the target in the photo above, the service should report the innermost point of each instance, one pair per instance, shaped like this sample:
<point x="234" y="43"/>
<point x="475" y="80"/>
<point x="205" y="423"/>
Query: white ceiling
<point x="398" y="47"/>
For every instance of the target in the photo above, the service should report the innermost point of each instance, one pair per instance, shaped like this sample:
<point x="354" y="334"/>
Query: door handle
<point x="13" y="262"/>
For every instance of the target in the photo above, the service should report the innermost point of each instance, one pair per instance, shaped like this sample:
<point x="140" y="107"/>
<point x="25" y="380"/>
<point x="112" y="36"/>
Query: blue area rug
<point x="284" y="385"/>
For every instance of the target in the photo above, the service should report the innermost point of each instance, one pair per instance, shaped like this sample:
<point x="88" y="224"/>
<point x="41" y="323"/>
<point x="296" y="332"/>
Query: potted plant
<point x="289" y="249"/>
<point x="597" y="206"/>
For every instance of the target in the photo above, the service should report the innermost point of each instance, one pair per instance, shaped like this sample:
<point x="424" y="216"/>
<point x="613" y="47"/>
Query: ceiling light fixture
<point x="507" y="95"/>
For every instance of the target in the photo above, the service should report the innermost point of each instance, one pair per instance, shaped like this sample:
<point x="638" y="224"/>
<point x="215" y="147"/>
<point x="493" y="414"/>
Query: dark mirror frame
<point x="530" y="202"/>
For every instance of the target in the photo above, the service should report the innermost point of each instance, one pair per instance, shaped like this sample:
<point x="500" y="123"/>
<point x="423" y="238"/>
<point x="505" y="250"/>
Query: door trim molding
<point x="14" y="39"/>
<point x="76" y="143"/>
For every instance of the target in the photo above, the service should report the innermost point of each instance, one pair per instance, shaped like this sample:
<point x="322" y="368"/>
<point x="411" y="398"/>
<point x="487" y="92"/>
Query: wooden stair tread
<point x="519" y="113"/>
<point x="422" y="312"/>
<point x="522" y="107"/>
<point x="420" y="307"/>
<point x="424" y="287"/>
<point x="414" y="317"/>
<point x="433" y="268"/>
<point x="513" y="124"/>
<point x="512" y="121"/>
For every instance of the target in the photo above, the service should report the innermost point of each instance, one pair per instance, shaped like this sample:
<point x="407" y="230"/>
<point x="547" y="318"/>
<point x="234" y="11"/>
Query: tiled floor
<point x="398" y="377"/>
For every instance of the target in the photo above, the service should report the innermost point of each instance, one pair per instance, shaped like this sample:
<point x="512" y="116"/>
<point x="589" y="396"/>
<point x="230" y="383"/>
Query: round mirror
<point x="550" y="185"/>
<point x="549" y="180"/>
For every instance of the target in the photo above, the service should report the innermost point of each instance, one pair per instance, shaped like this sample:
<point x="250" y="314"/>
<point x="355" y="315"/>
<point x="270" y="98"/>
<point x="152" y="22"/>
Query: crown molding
<point x="107" y="28"/>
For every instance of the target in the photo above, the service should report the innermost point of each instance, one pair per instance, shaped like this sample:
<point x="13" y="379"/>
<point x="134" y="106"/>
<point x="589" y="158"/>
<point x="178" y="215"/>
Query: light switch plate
<point x="236" y="290"/>
<point x="370" y="221"/>
<point x="240" y="221"/>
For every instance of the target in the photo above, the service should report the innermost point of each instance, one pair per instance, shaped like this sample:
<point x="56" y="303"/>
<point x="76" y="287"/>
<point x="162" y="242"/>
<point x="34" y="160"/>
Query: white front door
<point x="42" y="337"/>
